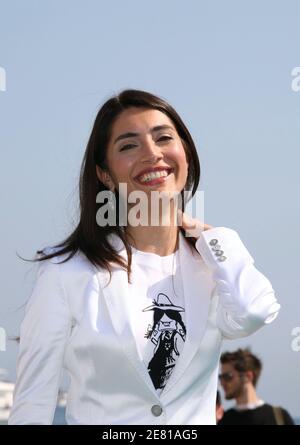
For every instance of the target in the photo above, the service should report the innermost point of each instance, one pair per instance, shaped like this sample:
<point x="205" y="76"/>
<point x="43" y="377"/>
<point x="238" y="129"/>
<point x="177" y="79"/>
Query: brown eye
<point x="126" y="147"/>
<point x="165" y="138"/>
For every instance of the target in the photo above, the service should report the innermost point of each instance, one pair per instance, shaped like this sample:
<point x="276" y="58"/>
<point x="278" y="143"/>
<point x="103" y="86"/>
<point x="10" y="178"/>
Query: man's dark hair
<point x="243" y="360"/>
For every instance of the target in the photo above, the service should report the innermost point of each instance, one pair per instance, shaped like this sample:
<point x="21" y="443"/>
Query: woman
<point x="136" y="312"/>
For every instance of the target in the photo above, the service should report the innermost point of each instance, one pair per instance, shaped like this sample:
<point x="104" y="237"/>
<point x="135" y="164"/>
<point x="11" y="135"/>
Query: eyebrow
<point x="153" y="129"/>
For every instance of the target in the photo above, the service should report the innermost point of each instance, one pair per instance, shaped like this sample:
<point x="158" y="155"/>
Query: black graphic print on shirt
<point x="168" y="334"/>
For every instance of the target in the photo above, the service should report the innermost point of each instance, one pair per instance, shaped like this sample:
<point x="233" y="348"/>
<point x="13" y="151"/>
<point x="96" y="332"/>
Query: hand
<point x="192" y="226"/>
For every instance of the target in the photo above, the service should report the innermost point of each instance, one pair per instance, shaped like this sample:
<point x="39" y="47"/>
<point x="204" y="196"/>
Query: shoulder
<point x="67" y="262"/>
<point x="266" y="407"/>
<point x="73" y="272"/>
<point x="285" y="414"/>
<point x="287" y="417"/>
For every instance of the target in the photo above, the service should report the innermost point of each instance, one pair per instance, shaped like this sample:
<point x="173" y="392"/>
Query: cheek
<point x="182" y="167"/>
<point x="120" y="168"/>
<point x="180" y="157"/>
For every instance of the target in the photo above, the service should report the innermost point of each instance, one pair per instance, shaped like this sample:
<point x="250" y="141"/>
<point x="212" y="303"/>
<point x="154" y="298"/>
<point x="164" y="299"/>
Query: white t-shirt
<point x="157" y="312"/>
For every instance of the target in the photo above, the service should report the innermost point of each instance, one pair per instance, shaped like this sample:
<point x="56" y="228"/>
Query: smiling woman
<point x="136" y="313"/>
<point x="153" y="159"/>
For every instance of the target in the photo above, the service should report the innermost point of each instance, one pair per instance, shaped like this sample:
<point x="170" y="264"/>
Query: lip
<point x="155" y="181"/>
<point x="155" y="169"/>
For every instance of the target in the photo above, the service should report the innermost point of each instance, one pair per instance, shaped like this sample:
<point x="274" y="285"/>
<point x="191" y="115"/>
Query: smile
<point x="153" y="177"/>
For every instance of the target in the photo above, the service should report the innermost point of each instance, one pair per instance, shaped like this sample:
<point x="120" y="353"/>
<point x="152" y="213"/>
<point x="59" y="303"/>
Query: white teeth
<point x="153" y="175"/>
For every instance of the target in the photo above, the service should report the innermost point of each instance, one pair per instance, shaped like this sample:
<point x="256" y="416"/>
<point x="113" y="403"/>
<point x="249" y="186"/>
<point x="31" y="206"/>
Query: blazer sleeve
<point x="246" y="297"/>
<point x="43" y="334"/>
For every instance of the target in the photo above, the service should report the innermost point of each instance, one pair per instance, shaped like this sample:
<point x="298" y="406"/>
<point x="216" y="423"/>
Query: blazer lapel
<point x="116" y="295"/>
<point x="197" y="287"/>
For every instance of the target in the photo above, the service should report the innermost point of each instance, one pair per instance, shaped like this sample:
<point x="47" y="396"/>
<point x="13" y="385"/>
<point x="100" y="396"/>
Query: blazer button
<point x="156" y="410"/>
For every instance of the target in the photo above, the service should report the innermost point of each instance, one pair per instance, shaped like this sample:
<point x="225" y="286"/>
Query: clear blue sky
<point x="226" y="68"/>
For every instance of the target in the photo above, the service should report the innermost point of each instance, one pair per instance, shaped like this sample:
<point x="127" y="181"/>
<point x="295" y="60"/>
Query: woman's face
<point x="145" y="152"/>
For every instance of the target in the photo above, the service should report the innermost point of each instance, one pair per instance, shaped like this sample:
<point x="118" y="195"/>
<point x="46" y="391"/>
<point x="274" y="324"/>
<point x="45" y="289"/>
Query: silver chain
<point x="173" y="268"/>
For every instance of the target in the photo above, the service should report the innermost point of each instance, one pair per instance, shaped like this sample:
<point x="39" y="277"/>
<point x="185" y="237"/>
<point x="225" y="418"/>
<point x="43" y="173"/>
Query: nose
<point x="151" y="153"/>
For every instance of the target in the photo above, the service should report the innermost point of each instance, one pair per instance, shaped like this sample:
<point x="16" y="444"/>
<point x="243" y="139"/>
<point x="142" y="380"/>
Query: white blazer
<point x="75" y="320"/>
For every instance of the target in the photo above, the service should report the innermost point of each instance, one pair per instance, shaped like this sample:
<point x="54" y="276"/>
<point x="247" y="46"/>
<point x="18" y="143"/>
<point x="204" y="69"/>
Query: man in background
<point x="240" y="371"/>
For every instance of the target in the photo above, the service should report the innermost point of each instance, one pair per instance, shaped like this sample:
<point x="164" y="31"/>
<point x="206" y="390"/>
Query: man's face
<point x="231" y="381"/>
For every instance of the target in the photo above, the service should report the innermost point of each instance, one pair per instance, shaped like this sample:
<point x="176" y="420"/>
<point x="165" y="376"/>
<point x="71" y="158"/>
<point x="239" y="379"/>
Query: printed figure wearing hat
<point x="168" y="335"/>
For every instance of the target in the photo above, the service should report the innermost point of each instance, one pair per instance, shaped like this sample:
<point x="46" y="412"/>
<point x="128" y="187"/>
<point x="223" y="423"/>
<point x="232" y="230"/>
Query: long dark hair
<point x="89" y="237"/>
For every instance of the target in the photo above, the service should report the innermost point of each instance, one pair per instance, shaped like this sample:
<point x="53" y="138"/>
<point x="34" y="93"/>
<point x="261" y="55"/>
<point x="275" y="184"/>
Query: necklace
<point x="173" y="264"/>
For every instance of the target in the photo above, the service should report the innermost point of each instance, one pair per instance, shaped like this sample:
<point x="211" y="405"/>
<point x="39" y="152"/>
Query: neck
<point x="161" y="236"/>
<point x="162" y="240"/>
<point x="248" y="395"/>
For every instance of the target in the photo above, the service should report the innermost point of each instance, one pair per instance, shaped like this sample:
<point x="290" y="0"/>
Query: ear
<point x="105" y="178"/>
<point x="249" y="376"/>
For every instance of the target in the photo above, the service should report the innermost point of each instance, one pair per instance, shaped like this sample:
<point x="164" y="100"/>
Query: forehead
<point x="227" y="367"/>
<point x="139" y="120"/>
